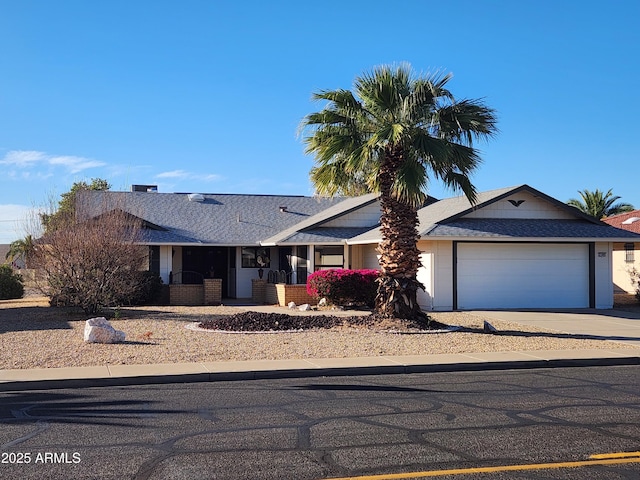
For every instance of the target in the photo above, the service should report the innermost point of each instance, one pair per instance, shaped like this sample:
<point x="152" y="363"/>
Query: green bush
<point x="11" y="285"/>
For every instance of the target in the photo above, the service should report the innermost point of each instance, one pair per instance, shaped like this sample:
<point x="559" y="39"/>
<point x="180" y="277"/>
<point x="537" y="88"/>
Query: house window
<point x="329" y="257"/>
<point x="628" y="252"/>
<point x="255" y="257"/>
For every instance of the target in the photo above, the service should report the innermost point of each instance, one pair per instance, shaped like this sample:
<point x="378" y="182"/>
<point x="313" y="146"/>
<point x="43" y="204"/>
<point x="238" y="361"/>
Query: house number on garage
<point x="602" y="254"/>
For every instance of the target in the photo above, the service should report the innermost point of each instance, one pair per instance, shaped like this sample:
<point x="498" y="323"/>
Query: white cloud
<point x="23" y="158"/>
<point x="188" y="175"/>
<point x="212" y="177"/>
<point x="75" y="164"/>
<point x="30" y="158"/>
<point x="174" y="174"/>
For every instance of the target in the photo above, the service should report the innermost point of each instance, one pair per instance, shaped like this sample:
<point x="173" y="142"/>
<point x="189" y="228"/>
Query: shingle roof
<point x="233" y="219"/>
<point x="295" y="232"/>
<point x="445" y="218"/>
<point x="618" y="221"/>
<point x="221" y="219"/>
<point x="525" y="228"/>
<point x="438" y="211"/>
<point x="324" y="235"/>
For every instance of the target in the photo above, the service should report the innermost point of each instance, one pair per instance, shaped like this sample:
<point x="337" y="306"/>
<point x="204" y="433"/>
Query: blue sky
<point x="206" y="96"/>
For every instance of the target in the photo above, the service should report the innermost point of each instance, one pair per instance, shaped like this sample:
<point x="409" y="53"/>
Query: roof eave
<point x="528" y="239"/>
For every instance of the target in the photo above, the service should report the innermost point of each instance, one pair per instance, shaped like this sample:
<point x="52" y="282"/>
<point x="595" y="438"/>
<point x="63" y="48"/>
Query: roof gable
<point x="512" y="212"/>
<point x="326" y="218"/>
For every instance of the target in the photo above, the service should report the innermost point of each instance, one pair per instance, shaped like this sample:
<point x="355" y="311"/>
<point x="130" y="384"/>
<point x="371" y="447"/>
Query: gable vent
<point x="196" y="197"/>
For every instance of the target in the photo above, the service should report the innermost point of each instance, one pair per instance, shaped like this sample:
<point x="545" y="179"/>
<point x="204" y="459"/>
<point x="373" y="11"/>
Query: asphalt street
<point x="333" y="427"/>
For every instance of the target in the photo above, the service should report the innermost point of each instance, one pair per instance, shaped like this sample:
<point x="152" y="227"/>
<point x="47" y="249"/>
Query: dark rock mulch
<point x="272" y="322"/>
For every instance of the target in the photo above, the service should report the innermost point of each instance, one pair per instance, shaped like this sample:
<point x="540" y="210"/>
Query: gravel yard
<point x="33" y="335"/>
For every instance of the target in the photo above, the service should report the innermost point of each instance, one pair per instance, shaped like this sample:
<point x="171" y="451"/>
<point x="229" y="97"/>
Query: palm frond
<point x="411" y="182"/>
<point x="466" y="121"/>
<point x="599" y="204"/>
<point x="392" y="110"/>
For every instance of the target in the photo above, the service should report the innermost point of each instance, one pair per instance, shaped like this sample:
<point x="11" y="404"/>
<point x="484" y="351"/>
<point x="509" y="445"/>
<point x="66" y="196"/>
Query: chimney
<point x="144" y="188"/>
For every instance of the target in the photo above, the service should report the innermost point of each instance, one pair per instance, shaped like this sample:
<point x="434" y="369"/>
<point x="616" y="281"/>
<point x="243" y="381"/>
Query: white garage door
<point x="512" y="275"/>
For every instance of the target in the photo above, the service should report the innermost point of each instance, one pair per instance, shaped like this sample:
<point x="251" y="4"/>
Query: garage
<point x="521" y="275"/>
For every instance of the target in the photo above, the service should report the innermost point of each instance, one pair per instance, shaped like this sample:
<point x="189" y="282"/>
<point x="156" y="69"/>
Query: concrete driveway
<point x="617" y="325"/>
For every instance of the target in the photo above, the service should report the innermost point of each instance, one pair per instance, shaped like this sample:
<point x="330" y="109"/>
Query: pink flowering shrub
<point x="342" y="286"/>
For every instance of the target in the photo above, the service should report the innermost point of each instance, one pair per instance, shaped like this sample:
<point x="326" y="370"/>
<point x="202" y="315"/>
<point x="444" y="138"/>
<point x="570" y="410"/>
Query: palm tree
<point x="599" y="204"/>
<point x="393" y="134"/>
<point x="20" y="249"/>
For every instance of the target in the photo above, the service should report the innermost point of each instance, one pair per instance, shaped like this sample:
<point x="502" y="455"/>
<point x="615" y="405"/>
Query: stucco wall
<point x="367" y="216"/>
<point x="425" y="275"/>
<point x="443" y="275"/>
<point x="621" y="268"/>
<point x="603" y="273"/>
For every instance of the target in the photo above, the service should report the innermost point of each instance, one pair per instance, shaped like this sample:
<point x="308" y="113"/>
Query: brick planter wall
<point x="259" y="291"/>
<point x="212" y="291"/>
<point x="282" y="294"/>
<point x="186" y="294"/>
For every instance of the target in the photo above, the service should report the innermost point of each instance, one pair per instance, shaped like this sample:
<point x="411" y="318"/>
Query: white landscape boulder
<point x="99" y="330"/>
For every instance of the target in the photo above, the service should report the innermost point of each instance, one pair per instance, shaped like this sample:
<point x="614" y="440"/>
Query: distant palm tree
<point x="391" y="135"/>
<point x="20" y="249"/>
<point x="599" y="204"/>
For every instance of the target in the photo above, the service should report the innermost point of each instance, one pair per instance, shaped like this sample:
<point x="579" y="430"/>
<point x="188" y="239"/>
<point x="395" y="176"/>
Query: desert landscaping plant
<point x="635" y="281"/>
<point x="344" y="287"/>
<point x="11" y="285"/>
<point x="91" y="262"/>
<point x="145" y="288"/>
<point x="394" y="133"/>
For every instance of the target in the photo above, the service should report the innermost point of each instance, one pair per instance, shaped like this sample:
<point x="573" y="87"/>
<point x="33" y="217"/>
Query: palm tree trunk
<point x="400" y="257"/>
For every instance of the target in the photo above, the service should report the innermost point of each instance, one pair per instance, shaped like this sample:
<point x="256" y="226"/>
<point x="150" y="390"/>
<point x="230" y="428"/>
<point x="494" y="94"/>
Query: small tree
<point x="91" y="262"/>
<point x="11" y="285"/>
<point x="65" y="212"/>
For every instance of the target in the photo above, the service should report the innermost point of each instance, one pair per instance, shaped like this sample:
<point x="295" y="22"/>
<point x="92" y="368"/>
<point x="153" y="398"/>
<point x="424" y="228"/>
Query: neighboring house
<point x="516" y="248"/>
<point x="626" y="255"/>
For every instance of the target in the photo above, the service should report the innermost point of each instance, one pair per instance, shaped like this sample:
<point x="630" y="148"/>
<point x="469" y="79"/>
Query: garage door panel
<point x="522" y="275"/>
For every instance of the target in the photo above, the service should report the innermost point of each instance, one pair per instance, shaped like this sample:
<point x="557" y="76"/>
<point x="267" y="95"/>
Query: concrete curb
<point x="257" y="374"/>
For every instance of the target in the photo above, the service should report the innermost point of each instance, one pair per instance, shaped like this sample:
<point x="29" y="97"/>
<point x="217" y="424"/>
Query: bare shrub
<point x="635" y="280"/>
<point x="91" y="261"/>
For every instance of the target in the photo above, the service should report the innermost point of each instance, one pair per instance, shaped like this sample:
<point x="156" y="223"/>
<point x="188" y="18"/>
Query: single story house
<point x="626" y="256"/>
<point x="515" y="248"/>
